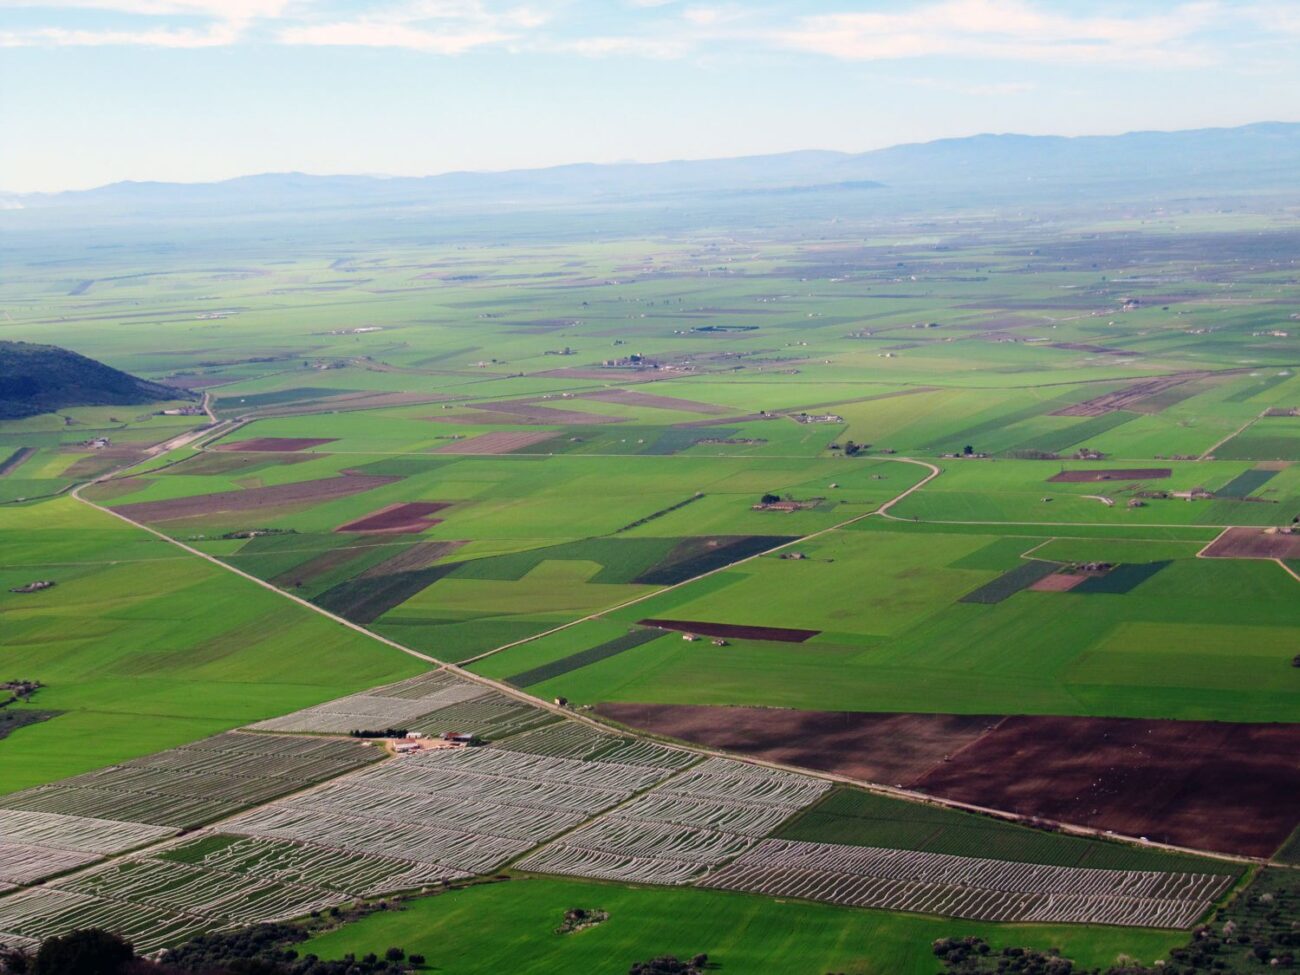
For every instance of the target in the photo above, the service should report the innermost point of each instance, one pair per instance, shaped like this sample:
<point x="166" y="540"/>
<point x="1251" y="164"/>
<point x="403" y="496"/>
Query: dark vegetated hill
<point x="43" y="378"/>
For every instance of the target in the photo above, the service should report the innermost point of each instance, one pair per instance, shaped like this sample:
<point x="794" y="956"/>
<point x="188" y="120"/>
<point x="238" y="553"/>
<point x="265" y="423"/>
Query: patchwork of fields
<point x="717" y="528"/>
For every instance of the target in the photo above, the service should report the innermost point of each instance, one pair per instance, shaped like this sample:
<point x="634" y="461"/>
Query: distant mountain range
<point x="1248" y="158"/>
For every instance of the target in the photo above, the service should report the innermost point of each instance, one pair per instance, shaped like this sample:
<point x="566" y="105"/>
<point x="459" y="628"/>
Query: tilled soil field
<point x="1253" y="543"/>
<point x="276" y="444"/>
<point x="408" y="517"/>
<point x="1112" y="474"/>
<point x="885" y="748"/>
<point x="254" y="499"/>
<point x="1202" y="784"/>
<point x="498" y="442"/>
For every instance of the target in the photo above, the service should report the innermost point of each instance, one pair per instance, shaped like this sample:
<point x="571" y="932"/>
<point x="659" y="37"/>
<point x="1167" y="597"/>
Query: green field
<point x="739" y="932"/>
<point x="759" y="463"/>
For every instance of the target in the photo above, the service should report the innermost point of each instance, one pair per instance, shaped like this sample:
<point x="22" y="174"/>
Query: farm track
<point x="511" y="691"/>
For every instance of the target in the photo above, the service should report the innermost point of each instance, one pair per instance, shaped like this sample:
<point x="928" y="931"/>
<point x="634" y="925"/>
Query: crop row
<point x="77" y="833"/>
<point x="21" y="864"/>
<point x="361" y="874"/>
<point x="30" y="916"/>
<point x="690" y="823"/>
<point x="569" y="739"/>
<point x="968" y="887"/>
<point x="371" y="710"/>
<point x="191" y="890"/>
<point x="498" y="763"/>
<point x="489" y="714"/>
<point x="463" y="811"/>
<point x="181" y="787"/>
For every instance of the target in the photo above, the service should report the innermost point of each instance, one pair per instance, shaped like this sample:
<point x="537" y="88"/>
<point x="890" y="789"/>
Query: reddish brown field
<point x="736" y="631"/>
<point x="421" y="555"/>
<point x="651" y="400"/>
<point x="405" y="518"/>
<point x="1058" y="582"/>
<point x="1203" y="784"/>
<point x="1128" y="397"/>
<point x="498" y="442"/>
<point x="885" y="748"/>
<point x="1114" y="474"/>
<point x="211" y="462"/>
<point x="1253" y="543"/>
<point x="276" y="444"/>
<point x="254" y="499"/>
<point x="529" y="412"/>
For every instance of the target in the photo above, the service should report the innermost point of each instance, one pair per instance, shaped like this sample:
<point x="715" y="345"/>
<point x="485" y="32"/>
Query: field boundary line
<point x="1209" y="451"/>
<point x="511" y="691"/>
<point x="1200" y="553"/>
<point x="934" y="472"/>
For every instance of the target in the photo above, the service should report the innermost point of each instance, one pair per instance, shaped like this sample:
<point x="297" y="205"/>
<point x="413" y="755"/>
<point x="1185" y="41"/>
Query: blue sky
<point x="100" y="90"/>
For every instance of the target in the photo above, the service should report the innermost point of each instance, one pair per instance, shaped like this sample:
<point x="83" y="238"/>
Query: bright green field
<point x="510" y="927"/>
<point x="143" y="646"/>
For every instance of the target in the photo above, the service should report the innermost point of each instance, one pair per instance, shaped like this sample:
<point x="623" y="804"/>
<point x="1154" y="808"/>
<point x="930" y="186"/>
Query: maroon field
<point x="779" y="634"/>
<point x="1253" y="543"/>
<point x="1114" y="474"/>
<point x="656" y="402"/>
<point x="1203" y="784"/>
<point x="891" y="749"/>
<point x="405" y="518"/>
<point x="276" y="444"/>
<point x="254" y="499"/>
<point x="1058" y="582"/>
<point x="498" y="442"/>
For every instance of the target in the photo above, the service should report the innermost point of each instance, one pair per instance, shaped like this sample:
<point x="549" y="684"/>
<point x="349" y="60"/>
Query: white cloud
<point x="1013" y="30"/>
<point x="224" y="10"/>
<point x="218" y="35"/>
<point x="389" y="34"/>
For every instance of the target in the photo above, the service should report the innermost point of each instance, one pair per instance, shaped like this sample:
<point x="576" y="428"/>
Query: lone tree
<point x="769" y="498"/>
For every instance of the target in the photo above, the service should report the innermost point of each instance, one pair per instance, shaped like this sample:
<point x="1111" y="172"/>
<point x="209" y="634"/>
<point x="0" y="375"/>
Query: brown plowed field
<point x="886" y="748"/>
<point x="1203" y="784"/>
<point x="276" y="444"/>
<point x="528" y="412"/>
<point x="1128" y="397"/>
<point x="779" y="634"/>
<point x="651" y="400"/>
<point x="254" y="499"/>
<point x="1115" y="474"/>
<point x="421" y="555"/>
<point x="1058" y="582"/>
<point x="1253" y="543"/>
<point x="498" y="442"/>
<point x="397" y="519"/>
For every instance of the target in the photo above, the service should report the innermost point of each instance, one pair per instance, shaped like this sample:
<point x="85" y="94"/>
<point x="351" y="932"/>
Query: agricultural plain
<point x="724" y="536"/>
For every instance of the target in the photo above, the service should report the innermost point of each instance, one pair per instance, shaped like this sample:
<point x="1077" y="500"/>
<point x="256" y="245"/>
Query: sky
<point x="95" y="91"/>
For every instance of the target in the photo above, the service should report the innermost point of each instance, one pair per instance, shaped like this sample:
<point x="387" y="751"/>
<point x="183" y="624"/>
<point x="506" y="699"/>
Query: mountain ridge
<point x="1248" y="154"/>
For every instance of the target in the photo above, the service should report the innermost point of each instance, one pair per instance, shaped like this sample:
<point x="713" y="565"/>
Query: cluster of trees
<point x="670" y="965"/>
<point x="378" y="732"/>
<point x="974" y="956"/>
<point x="259" y="950"/>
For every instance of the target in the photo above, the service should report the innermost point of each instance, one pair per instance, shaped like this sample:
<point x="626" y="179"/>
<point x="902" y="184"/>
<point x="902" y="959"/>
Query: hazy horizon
<point x="98" y="91"/>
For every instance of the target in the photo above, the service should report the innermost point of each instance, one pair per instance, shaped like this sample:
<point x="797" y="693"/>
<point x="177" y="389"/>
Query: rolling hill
<point x="42" y="378"/>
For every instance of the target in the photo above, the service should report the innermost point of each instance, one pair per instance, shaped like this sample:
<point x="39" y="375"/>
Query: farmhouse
<point x="818" y="418"/>
<point x="36" y="586"/>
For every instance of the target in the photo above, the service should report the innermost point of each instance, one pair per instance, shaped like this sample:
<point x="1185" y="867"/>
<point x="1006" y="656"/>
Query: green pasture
<point x="739" y="932"/>
<point x="143" y="647"/>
